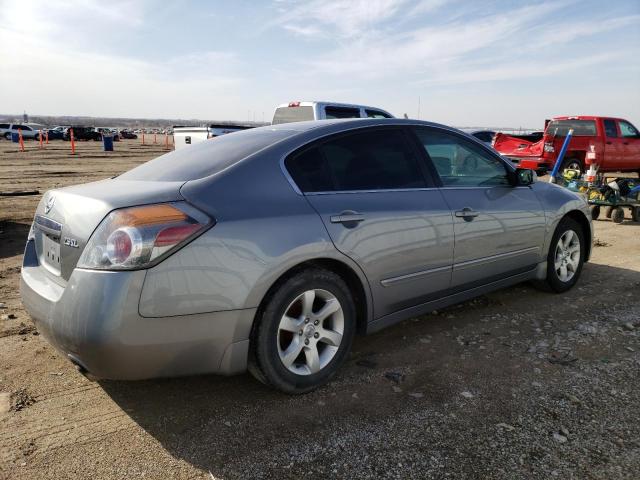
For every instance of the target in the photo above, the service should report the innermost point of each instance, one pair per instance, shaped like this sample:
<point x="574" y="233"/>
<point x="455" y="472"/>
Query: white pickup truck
<point x="184" y="136"/>
<point x="302" y="111"/>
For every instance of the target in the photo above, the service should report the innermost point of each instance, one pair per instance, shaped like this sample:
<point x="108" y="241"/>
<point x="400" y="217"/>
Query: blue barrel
<point x="15" y="137"/>
<point x="107" y="141"/>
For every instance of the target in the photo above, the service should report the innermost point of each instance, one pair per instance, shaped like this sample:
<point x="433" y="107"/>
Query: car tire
<point x="574" y="163"/>
<point x="296" y="345"/>
<point x="564" y="261"/>
<point x="635" y="214"/>
<point x="595" y="212"/>
<point x="617" y="215"/>
<point x="7" y="136"/>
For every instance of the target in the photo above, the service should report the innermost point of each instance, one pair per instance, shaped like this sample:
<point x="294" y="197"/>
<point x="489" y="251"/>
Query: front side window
<point x="373" y="160"/>
<point x="627" y="130"/>
<point x="341" y="112"/>
<point x="460" y="163"/>
<point x="610" y="129"/>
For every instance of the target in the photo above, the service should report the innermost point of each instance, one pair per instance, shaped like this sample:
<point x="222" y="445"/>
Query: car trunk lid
<point x="66" y="218"/>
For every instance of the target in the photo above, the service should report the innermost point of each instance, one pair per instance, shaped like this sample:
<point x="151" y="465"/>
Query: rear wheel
<point x="565" y="258"/>
<point x="304" y="333"/>
<point x="617" y="215"/>
<point x="595" y="211"/>
<point x="573" y="164"/>
<point x="636" y="214"/>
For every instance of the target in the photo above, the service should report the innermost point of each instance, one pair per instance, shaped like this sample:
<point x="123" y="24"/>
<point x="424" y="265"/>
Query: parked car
<point x="485" y="136"/>
<point x="302" y="111"/>
<point x="127" y="134"/>
<point x="28" y="132"/>
<point x="184" y="136"/>
<point x="270" y="248"/>
<point x="82" y="133"/>
<point x="615" y="142"/>
<point x="112" y="132"/>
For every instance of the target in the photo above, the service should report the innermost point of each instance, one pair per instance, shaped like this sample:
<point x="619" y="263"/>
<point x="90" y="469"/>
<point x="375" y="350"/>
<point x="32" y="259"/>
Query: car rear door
<point x="499" y="229"/>
<point x="380" y="209"/>
<point x="613" y="144"/>
<point x="630" y="145"/>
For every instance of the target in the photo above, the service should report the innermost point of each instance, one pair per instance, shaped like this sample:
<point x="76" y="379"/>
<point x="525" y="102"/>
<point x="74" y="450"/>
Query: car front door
<point x="613" y="144"/>
<point x="630" y="145"/>
<point x="499" y="228"/>
<point x="375" y="198"/>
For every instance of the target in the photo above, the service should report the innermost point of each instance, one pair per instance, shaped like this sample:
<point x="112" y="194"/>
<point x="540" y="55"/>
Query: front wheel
<point x="565" y="258"/>
<point x="304" y="333"/>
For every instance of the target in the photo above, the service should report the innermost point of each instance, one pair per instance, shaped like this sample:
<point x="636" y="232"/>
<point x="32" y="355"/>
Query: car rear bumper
<point x="94" y="322"/>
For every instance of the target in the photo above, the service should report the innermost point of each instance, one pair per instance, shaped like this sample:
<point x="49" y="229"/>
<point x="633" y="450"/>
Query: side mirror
<point x="524" y="177"/>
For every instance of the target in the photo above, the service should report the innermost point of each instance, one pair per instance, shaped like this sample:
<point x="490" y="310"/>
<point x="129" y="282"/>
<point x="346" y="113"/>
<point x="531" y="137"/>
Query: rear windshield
<point x="580" y="127"/>
<point x="292" y="114"/>
<point x="206" y="158"/>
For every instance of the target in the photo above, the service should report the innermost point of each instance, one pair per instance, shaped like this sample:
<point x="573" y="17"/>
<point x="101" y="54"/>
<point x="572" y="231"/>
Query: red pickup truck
<point x="613" y="144"/>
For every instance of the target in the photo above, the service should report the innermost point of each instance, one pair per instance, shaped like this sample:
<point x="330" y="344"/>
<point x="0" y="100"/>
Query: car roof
<point x="325" y="126"/>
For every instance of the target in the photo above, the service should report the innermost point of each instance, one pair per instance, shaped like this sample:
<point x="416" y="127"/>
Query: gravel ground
<point x="515" y="384"/>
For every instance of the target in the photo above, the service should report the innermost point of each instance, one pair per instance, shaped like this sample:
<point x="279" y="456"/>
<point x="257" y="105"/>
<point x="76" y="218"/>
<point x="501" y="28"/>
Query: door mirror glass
<point x="524" y="176"/>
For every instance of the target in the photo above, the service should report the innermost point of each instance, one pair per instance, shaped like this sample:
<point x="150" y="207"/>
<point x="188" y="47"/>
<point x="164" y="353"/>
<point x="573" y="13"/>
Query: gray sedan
<point x="271" y="248"/>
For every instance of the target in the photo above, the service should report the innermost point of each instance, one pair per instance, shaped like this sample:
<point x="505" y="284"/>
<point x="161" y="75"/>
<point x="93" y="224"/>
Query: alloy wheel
<point x="567" y="256"/>
<point x="310" y="332"/>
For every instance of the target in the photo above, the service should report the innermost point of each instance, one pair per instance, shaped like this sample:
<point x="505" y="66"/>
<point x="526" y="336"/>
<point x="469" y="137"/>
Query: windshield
<point x="584" y="128"/>
<point x="208" y="157"/>
<point x="292" y="114"/>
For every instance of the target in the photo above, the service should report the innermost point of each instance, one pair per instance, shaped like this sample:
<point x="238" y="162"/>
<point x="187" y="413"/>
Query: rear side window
<point x="461" y="163"/>
<point x="610" y="129"/>
<point x="627" y="130"/>
<point x="372" y="160"/>
<point x="341" y="112"/>
<point x="4" y="125"/>
<point x="292" y="114"/>
<point x="376" y="114"/>
<point x="581" y="128"/>
<point x="207" y="158"/>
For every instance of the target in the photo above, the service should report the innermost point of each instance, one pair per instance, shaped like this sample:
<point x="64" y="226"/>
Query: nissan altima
<point x="271" y="248"/>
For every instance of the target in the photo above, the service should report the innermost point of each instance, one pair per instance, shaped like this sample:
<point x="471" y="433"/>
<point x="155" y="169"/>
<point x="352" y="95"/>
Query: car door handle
<point x="626" y="143"/>
<point x="347" y="217"/>
<point x="467" y="213"/>
<point x="609" y="143"/>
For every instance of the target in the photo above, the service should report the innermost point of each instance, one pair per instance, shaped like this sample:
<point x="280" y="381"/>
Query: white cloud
<point x="344" y="18"/>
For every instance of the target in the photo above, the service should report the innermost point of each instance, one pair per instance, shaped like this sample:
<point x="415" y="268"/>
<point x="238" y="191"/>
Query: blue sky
<point x="470" y="63"/>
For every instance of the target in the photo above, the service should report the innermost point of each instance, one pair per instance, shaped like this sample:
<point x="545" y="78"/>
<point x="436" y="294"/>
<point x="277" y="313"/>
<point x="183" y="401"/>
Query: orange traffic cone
<point x="20" y="140"/>
<point x="73" y="142"/>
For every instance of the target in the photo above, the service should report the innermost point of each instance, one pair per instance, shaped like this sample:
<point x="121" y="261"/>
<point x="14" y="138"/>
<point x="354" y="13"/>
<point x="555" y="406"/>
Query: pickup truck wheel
<point x="304" y="332"/>
<point x="573" y="164"/>
<point x="617" y="215"/>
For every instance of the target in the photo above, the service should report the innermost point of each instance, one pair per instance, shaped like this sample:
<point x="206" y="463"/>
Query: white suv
<point x="302" y="111"/>
<point x="6" y="129"/>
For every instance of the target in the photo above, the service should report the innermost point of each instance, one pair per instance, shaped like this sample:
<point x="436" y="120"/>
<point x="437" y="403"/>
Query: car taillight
<point x="140" y="237"/>
<point x="294" y="104"/>
<point x="549" y="148"/>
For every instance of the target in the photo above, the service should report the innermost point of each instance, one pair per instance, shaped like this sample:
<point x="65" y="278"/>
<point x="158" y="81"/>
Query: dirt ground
<point x="515" y="384"/>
